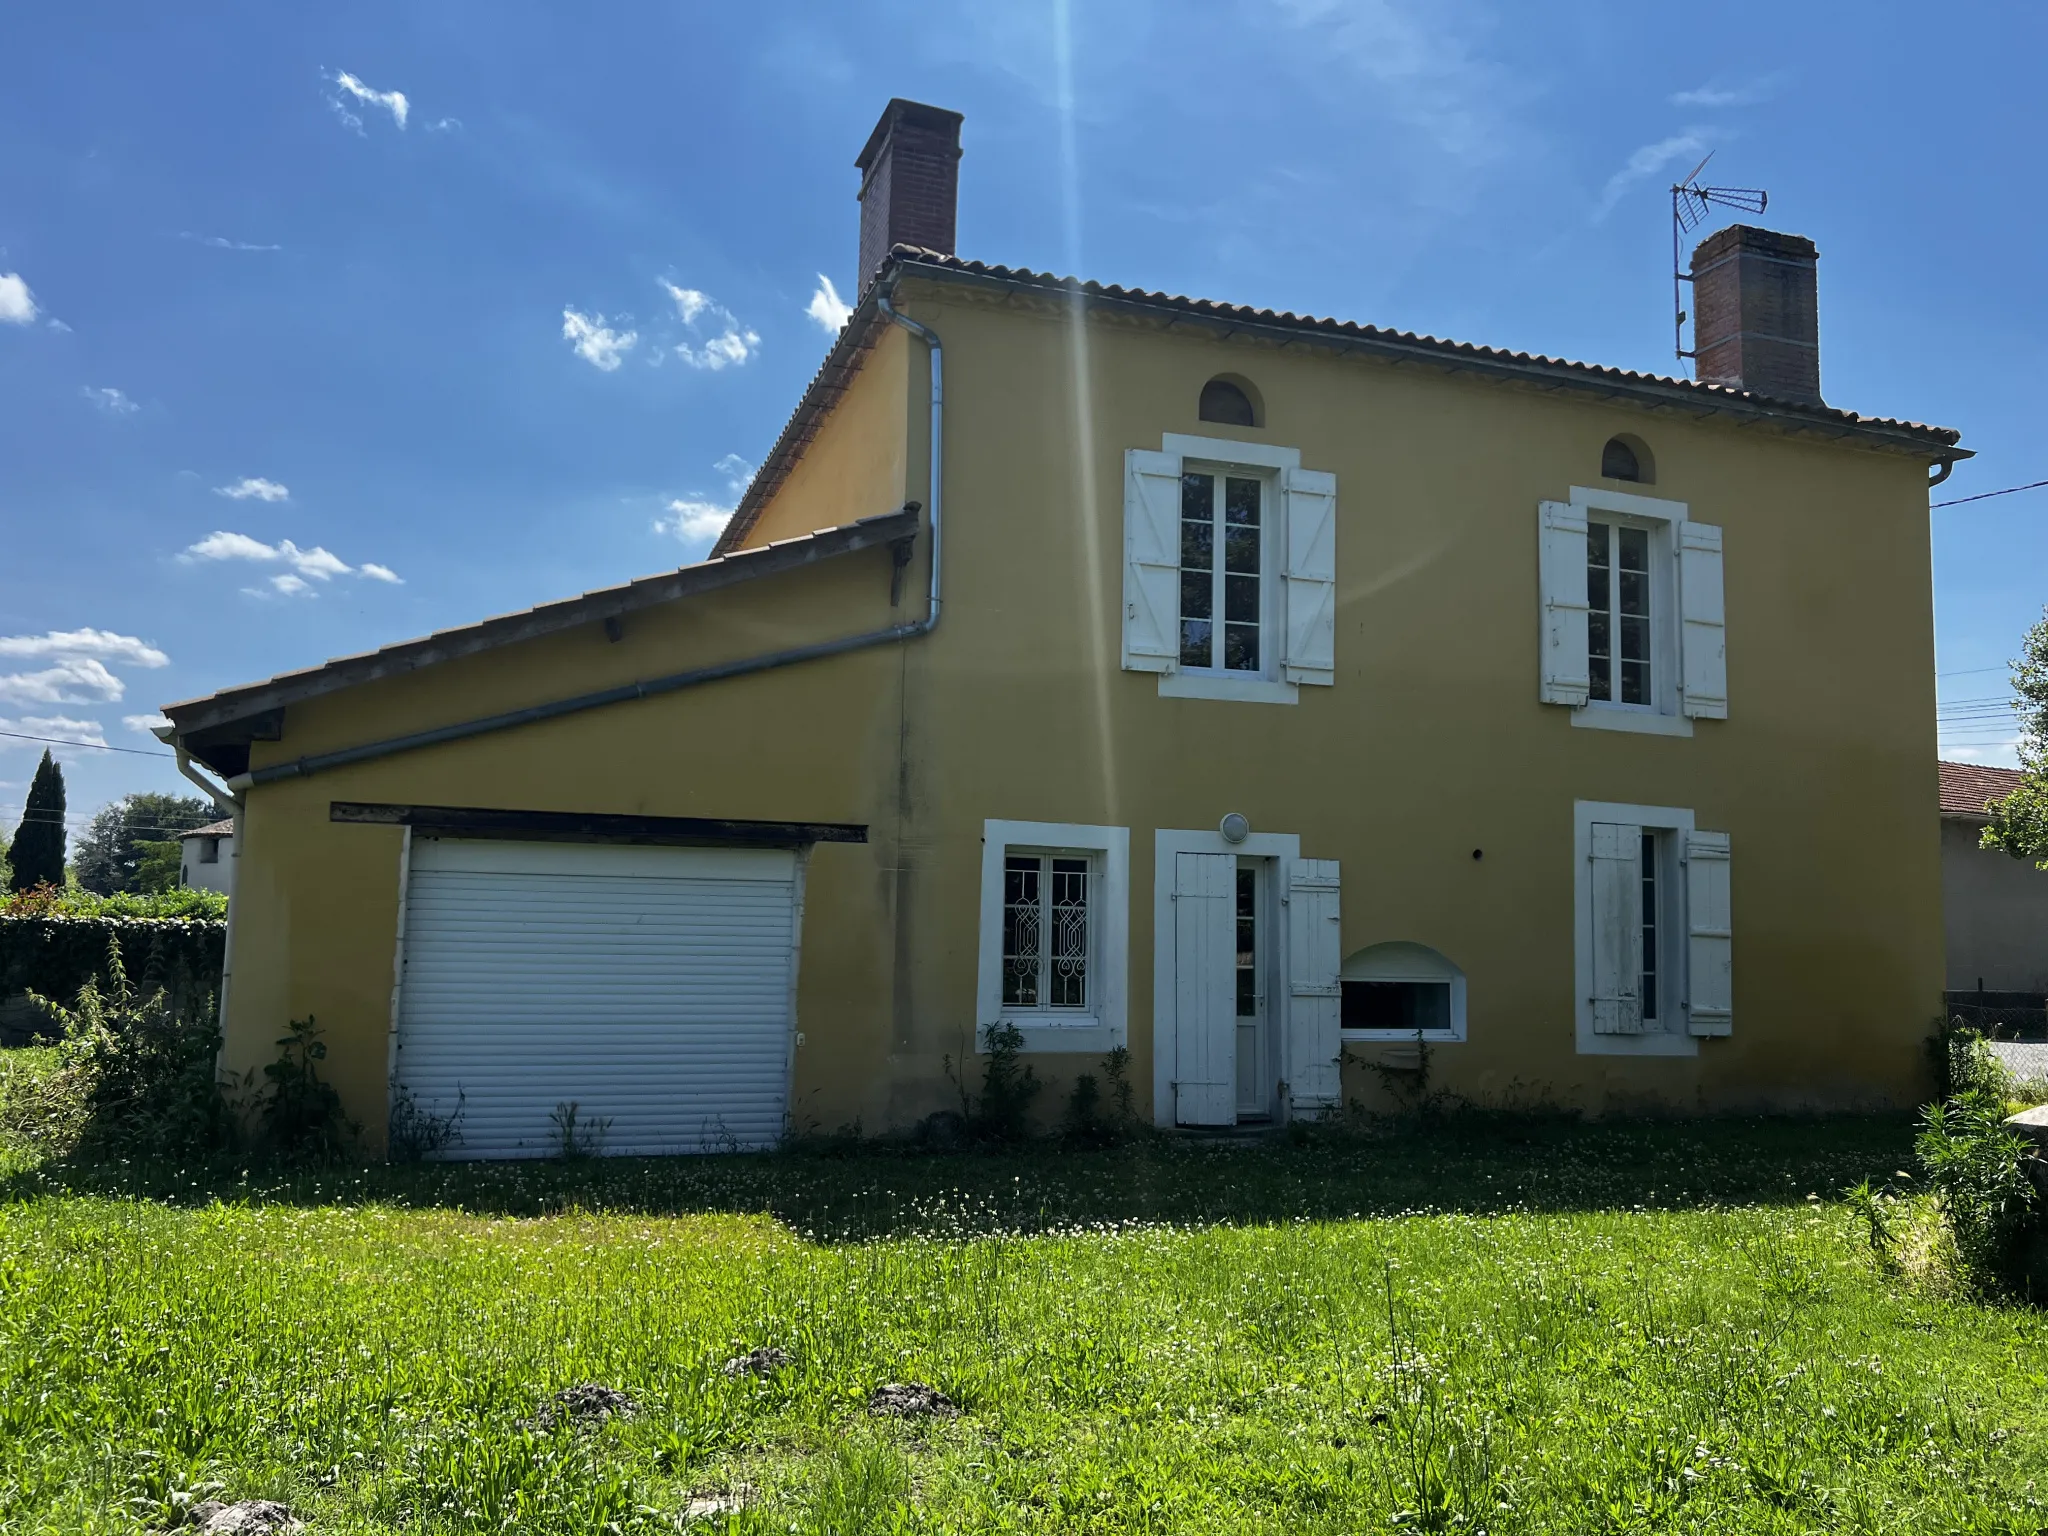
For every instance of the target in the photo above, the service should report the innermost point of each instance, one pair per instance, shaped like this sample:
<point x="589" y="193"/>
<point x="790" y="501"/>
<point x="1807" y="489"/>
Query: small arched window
<point x="1402" y="991"/>
<point x="1227" y="404"/>
<point x="1618" y="461"/>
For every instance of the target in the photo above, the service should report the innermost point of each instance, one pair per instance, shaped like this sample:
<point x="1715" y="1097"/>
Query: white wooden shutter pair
<point x="1308" y="568"/>
<point x="1205" y="990"/>
<point x="1617" y="924"/>
<point x="1703" y="637"/>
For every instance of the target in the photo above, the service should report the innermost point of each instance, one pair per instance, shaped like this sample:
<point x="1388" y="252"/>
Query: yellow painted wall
<point x="1431" y="744"/>
<point x="860" y="445"/>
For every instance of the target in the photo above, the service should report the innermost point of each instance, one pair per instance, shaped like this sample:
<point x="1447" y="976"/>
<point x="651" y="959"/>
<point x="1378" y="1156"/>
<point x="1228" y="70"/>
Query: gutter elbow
<point x="1941" y="472"/>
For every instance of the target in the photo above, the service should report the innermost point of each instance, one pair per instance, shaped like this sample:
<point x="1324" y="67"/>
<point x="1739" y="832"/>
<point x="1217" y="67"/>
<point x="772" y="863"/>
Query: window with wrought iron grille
<point x="1048" y="932"/>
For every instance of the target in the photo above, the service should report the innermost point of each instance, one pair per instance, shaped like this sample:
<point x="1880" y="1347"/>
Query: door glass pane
<point x="1247" y="942"/>
<point x="1022" y="945"/>
<point x="1241" y="599"/>
<point x="1241" y="647"/>
<point x="1241" y="502"/>
<point x="1068" y="976"/>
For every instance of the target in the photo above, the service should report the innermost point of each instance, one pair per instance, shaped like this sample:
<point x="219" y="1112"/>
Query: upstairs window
<point x="1222" y="565"/>
<point x="209" y="849"/>
<point x="1618" y="614"/>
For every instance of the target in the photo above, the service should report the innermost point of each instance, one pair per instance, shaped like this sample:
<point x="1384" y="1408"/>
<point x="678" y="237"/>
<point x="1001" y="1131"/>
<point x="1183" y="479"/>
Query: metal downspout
<point x="675" y="681"/>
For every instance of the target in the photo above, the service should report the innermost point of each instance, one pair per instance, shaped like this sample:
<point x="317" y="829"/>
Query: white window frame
<point x="1662" y="518"/>
<point x="1102" y="1026"/>
<point x="1269" y="463"/>
<point x="1420" y="975"/>
<point x="1670" y="1037"/>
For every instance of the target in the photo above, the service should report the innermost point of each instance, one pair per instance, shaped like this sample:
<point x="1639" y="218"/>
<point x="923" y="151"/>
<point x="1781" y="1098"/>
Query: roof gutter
<point x="674" y="682"/>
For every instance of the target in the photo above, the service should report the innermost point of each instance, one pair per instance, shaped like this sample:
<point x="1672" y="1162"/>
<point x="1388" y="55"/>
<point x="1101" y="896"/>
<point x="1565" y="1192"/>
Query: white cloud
<point x="1717" y="94"/>
<point x="377" y="572"/>
<point x="827" y="308"/>
<point x="253" y="487"/>
<point x="222" y="243"/>
<point x="286" y="585"/>
<point x="315" y="562"/>
<point x="56" y="325"/>
<point x="594" y="341"/>
<point x="393" y="102"/>
<point x="109" y="399"/>
<point x="73" y="680"/>
<point x="732" y="344"/>
<point x="17" y="304"/>
<point x="104" y="645"/>
<point x="1647" y="162"/>
<point x="693" y="521"/>
<point x="444" y="125"/>
<point x="738" y="472"/>
<point x="145" y="725"/>
<point x="84" y="733"/>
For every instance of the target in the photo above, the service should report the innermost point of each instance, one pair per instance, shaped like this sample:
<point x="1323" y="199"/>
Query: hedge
<point x="55" y="955"/>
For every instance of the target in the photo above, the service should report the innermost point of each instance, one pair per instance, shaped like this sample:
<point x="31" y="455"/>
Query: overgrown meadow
<point x="1480" y="1326"/>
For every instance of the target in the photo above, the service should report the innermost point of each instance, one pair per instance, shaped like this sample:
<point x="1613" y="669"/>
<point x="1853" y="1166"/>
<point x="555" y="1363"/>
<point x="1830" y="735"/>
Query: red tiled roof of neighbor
<point x="1965" y="787"/>
<point x="211" y="829"/>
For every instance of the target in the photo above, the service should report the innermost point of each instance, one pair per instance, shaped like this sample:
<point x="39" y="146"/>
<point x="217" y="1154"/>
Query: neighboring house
<point x="1994" y="906"/>
<point x="206" y="857"/>
<point x="1282" y="692"/>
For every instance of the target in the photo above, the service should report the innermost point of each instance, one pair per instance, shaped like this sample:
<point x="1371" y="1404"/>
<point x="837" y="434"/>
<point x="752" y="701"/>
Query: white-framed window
<point x="1225" y="591"/>
<point x="1402" y="991"/>
<point x="1054" y="934"/>
<point x="1634" y="631"/>
<point x="1230" y="569"/>
<point x="1652" y="930"/>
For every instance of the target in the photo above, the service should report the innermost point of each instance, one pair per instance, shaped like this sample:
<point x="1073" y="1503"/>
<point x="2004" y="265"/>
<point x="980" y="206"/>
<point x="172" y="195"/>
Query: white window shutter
<point x="1311" y="573"/>
<point x="1617" y="885"/>
<point x="1151" y="561"/>
<point x="1710" y="935"/>
<point x="1703" y="641"/>
<point x="1561" y="574"/>
<point x="1204" y="992"/>
<point x="1315" y="1000"/>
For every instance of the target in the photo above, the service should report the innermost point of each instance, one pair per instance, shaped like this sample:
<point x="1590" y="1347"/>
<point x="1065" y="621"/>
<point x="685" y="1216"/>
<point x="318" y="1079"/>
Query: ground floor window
<point x="1054" y="926"/>
<point x="1401" y="990"/>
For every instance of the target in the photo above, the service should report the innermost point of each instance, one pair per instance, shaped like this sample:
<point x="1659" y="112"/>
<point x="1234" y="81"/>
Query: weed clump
<point x="1979" y="1169"/>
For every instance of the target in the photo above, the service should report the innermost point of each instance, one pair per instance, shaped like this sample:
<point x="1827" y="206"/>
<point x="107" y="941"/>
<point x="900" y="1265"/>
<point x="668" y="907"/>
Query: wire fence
<point x="2002" y="1015"/>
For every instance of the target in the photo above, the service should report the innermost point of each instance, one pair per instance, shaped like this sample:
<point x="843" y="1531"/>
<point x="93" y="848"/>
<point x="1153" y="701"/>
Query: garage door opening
<point x="653" y="988"/>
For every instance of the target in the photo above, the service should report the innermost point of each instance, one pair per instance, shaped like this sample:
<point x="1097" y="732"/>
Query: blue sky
<point x="314" y="321"/>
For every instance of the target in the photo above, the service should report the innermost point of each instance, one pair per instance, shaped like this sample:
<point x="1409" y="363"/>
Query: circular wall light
<point x="1235" y="827"/>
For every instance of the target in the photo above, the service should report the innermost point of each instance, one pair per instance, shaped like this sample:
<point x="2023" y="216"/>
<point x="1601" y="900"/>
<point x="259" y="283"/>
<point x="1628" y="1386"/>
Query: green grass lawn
<point x="1485" y="1326"/>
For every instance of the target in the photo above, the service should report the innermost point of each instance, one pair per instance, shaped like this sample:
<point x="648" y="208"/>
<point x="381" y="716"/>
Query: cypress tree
<point x="38" y="850"/>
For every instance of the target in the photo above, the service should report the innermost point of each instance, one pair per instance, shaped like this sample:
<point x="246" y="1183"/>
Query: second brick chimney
<point x="909" y="183"/>
<point x="1756" y="312"/>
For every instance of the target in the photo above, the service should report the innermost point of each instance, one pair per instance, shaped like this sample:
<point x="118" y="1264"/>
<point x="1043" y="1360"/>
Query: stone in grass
<point x="587" y="1403"/>
<point x="246" y="1517"/>
<point x="765" y="1361"/>
<point x="911" y="1400"/>
<point x="707" y="1506"/>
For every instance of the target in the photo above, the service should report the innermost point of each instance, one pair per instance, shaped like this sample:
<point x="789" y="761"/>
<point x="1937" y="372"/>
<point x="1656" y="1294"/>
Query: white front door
<point x="1252" y="989"/>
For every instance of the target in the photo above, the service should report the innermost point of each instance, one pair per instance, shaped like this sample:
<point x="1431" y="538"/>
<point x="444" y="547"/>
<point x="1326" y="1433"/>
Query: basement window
<point x="1402" y="991"/>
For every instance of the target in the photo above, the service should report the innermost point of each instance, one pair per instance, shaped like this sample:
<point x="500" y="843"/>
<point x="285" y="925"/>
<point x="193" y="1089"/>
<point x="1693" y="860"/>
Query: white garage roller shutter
<point x="651" y="987"/>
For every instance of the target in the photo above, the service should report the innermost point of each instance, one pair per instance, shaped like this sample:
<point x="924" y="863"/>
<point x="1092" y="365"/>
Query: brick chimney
<point x="909" y="183"/>
<point x="1756" y="314"/>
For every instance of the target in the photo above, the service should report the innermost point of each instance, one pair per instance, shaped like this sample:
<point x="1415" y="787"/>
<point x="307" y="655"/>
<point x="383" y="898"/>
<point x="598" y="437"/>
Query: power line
<point x="2031" y="485"/>
<point x="96" y="746"/>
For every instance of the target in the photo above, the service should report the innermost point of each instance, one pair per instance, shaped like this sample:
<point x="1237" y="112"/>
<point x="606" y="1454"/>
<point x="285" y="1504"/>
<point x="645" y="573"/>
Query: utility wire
<point x="96" y="746"/>
<point x="2031" y="485"/>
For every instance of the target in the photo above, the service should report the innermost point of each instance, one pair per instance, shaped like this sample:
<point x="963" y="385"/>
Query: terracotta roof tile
<point x="1965" y="787"/>
<point x="211" y="829"/>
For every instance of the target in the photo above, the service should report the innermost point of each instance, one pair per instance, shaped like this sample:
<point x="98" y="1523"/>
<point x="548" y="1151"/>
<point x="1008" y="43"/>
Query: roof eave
<point x="213" y="711"/>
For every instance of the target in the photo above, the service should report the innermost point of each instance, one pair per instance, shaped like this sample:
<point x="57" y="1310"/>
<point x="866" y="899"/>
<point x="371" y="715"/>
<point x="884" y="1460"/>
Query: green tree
<point x="159" y="865"/>
<point x="37" y="853"/>
<point x="2019" y="822"/>
<point x="111" y="849"/>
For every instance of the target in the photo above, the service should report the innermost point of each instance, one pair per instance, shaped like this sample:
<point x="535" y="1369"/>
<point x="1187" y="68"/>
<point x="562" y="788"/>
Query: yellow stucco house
<point x="1265" y="694"/>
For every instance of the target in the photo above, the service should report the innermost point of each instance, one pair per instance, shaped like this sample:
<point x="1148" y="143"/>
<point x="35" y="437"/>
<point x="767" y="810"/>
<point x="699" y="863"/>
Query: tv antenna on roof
<point x="1691" y="206"/>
